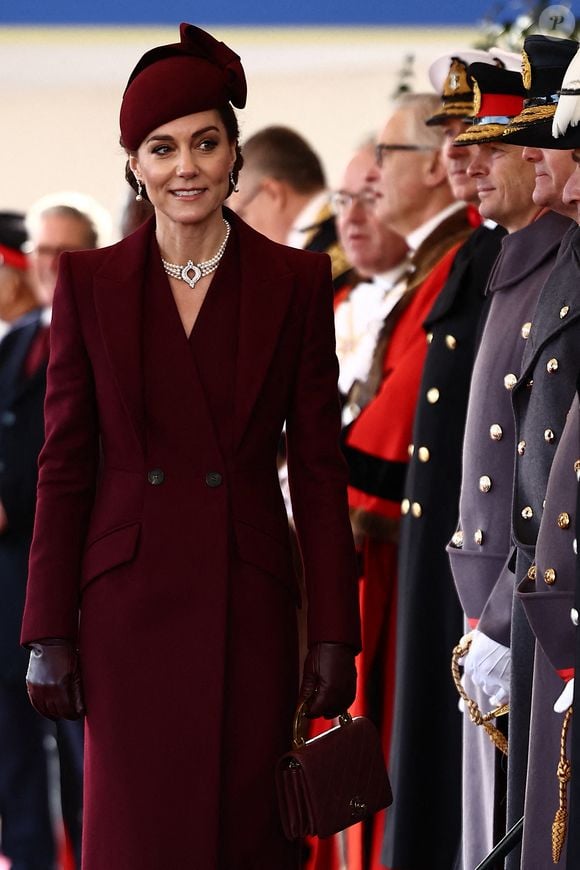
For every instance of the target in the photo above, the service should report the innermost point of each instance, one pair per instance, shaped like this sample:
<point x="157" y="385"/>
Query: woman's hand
<point x="329" y="681"/>
<point x="53" y="679"/>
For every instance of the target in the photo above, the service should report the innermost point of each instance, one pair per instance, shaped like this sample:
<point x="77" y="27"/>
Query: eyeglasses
<point x="383" y="148"/>
<point x="341" y="200"/>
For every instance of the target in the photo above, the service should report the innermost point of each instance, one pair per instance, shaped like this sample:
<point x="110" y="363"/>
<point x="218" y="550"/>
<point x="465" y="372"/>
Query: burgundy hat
<point x="170" y="81"/>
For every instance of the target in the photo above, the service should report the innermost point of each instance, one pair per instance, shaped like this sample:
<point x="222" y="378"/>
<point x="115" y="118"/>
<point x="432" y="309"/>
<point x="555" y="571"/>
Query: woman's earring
<point x="139" y="196"/>
<point x="233" y="185"/>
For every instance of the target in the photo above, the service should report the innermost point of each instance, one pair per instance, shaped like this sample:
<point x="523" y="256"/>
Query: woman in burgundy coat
<point x="161" y="594"/>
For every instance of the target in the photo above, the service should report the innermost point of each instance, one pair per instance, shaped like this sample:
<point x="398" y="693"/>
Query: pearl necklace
<point x="198" y="270"/>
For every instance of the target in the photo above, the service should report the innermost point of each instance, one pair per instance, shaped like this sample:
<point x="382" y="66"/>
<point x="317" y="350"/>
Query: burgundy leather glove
<point x="329" y="681"/>
<point x="53" y="679"/>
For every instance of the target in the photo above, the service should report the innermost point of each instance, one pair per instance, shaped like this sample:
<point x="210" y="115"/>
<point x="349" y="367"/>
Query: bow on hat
<point x="170" y="81"/>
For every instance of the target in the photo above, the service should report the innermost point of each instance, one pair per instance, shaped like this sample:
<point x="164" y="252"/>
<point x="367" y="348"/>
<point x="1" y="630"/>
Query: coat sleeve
<point x="318" y="476"/>
<point x="67" y="473"/>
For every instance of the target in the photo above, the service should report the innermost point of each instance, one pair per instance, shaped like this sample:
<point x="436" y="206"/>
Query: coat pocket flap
<point x="111" y="549"/>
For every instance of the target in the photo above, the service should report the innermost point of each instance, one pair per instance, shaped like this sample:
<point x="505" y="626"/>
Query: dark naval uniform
<point x="426" y="746"/>
<point x="547" y="595"/>
<point x="480" y="549"/>
<point x="541" y="399"/>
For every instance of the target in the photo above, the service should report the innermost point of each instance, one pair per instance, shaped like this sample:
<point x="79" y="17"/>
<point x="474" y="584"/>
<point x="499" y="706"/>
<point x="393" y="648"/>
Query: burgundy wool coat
<point x="160" y="522"/>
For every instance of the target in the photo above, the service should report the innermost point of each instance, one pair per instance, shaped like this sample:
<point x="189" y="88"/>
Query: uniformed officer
<point x="540" y="404"/>
<point x="480" y="549"/>
<point x="429" y="618"/>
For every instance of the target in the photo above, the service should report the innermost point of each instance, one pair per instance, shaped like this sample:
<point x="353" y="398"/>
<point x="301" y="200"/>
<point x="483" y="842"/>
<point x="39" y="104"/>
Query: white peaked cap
<point x="510" y="59"/>
<point x="439" y="69"/>
<point x="568" y="109"/>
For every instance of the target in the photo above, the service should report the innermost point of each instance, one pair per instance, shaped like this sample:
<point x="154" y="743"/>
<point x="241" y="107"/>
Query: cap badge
<point x="526" y="71"/>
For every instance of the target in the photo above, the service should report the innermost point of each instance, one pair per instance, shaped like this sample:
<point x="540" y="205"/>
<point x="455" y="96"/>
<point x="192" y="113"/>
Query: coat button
<point x="484" y="483"/>
<point x="527" y="513"/>
<point x="429" y="337"/>
<point x="526" y="330"/>
<point x="510" y="381"/>
<point x="564" y="311"/>
<point x="532" y="572"/>
<point x="521" y="448"/>
<point x="156" y="476"/>
<point x="495" y="432"/>
<point x="451" y="342"/>
<point x="549" y="436"/>
<point x="549" y="576"/>
<point x="213" y="479"/>
<point x="405" y="506"/>
<point x="478" y="537"/>
<point x="563" y="520"/>
<point x="457" y="540"/>
<point x="433" y="395"/>
<point x="530" y="383"/>
<point x="574" y="616"/>
<point x="424" y="454"/>
<point x="8" y="418"/>
<point x="411" y="449"/>
<point x="416" y="509"/>
<point x="552" y="365"/>
<point x="575" y="546"/>
<point x="577" y="469"/>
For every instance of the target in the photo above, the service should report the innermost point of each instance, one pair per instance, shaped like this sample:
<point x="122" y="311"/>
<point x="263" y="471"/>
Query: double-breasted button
<point x="510" y="381"/>
<point x="416" y="510"/>
<point x="574" y="616"/>
<point x="451" y="342"/>
<point x="484" y="483"/>
<point x="478" y="537"/>
<point x="433" y="396"/>
<point x="552" y="365"/>
<point x="526" y="329"/>
<point x="429" y="337"/>
<point x="577" y="469"/>
<point x="527" y="513"/>
<point x="457" y="539"/>
<point x="213" y="479"/>
<point x="424" y="454"/>
<point x="156" y="476"/>
<point x="411" y="449"/>
<point x="563" y="520"/>
<point x="549" y="436"/>
<point x="530" y="383"/>
<point x="495" y="432"/>
<point x="532" y="572"/>
<point x="549" y="576"/>
<point x="564" y="311"/>
<point x="521" y="448"/>
<point x="8" y="418"/>
<point x="405" y="506"/>
<point x="575" y="546"/>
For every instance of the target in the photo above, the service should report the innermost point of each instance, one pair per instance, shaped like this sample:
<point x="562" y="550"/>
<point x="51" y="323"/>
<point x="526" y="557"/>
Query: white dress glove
<point x="488" y="663"/>
<point x="565" y="699"/>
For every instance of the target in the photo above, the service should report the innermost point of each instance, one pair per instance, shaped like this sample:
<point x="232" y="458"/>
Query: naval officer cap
<point x="449" y="77"/>
<point x="196" y="74"/>
<point x="544" y="63"/>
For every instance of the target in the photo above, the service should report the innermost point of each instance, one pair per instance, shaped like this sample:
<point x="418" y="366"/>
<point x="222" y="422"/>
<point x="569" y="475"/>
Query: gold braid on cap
<point x="526" y="71"/>
<point x="476" y="98"/>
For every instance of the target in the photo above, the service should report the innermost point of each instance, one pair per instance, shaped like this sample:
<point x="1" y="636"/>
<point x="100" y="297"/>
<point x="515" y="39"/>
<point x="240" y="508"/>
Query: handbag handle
<point x="299" y="727"/>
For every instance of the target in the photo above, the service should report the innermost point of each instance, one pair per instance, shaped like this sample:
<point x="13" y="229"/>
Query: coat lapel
<point x="266" y="284"/>
<point x="118" y="288"/>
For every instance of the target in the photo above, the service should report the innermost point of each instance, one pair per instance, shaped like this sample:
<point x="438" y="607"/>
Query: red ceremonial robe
<point x="160" y="517"/>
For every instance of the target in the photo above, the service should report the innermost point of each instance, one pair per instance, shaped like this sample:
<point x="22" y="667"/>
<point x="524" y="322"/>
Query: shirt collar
<point x="306" y="219"/>
<point x="416" y="238"/>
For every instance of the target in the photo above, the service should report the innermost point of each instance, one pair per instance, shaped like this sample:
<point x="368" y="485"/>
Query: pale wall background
<point x="60" y="91"/>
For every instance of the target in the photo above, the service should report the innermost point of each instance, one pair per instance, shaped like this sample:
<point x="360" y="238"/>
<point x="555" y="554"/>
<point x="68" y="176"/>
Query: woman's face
<point x="185" y="166"/>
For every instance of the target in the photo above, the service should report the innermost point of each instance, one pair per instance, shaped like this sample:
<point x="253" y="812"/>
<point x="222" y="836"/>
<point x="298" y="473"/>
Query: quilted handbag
<point x="333" y="780"/>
